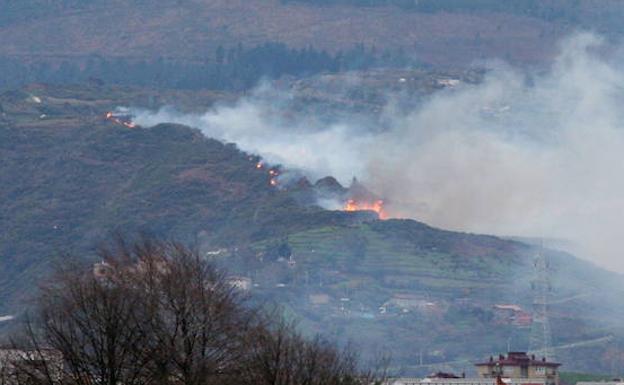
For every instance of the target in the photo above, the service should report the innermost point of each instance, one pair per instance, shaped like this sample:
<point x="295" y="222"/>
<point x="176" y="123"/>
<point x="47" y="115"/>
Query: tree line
<point x="158" y="313"/>
<point x="227" y="68"/>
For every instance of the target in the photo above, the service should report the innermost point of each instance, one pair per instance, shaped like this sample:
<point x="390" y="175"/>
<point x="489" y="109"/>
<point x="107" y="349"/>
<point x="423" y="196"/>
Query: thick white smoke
<point x="259" y="124"/>
<point x="539" y="155"/>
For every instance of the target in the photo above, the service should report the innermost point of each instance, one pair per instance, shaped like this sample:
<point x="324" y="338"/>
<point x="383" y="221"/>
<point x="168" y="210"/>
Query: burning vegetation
<point x="359" y="198"/>
<point x="122" y="120"/>
<point x="376" y="206"/>
<point x="355" y="198"/>
<point x="273" y="172"/>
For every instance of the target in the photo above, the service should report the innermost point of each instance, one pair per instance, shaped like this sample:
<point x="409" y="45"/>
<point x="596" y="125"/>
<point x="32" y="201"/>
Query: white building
<point x="516" y="368"/>
<point x="465" y="381"/>
<point x="239" y="283"/>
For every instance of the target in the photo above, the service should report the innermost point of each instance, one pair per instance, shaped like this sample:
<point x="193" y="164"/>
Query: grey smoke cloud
<point x="260" y="124"/>
<point x="520" y="154"/>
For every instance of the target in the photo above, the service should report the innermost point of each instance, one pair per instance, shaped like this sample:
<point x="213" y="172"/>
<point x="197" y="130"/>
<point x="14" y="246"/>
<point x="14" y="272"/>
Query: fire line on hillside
<point x="120" y="120"/>
<point x="376" y="206"/>
<point x="357" y="198"/>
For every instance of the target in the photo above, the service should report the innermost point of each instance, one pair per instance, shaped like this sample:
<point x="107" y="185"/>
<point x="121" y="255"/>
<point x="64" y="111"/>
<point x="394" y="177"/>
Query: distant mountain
<point x="192" y="44"/>
<point x="70" y="177"/>
<point x="447" y="33"/>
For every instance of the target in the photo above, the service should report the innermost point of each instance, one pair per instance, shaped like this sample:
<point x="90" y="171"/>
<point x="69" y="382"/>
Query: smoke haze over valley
<point x="524" y="154"/>
<point x="439" y="181"/>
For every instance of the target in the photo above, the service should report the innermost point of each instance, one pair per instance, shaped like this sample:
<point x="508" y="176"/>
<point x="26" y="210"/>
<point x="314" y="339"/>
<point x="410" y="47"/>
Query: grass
<point x="332" y="247"/>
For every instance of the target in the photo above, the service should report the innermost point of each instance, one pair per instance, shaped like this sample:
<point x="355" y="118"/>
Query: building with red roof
<point x="520" y="365"/>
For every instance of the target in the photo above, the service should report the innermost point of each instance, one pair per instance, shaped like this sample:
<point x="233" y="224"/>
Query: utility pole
<point x="540" y="340"/>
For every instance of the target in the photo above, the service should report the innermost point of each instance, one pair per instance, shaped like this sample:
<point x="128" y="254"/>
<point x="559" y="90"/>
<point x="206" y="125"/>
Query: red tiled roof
<point x="518" y="359"/>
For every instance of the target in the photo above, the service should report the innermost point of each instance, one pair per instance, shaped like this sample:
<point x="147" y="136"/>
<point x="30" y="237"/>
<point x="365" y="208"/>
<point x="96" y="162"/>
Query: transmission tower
<point x="540" y="340"/>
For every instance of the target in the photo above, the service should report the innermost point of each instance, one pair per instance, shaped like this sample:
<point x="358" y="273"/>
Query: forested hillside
<point x="71" y="178"/>
<point x="417" y="98"/>
<point x="232" y="44"/>
<point x="235" y="68"/>
<point x="148" y="30"/>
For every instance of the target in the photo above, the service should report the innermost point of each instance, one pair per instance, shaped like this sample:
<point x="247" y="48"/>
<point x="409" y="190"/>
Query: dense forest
<point x="234" y="68"/>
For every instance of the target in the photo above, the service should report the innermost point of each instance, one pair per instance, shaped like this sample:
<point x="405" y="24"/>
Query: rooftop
<point x="518" y="359"/>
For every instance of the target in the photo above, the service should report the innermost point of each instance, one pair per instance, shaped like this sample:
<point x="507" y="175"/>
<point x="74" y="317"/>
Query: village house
<point x="520" y="365"/>
<point x="410" y="302"/>
<point x="239" y="282"/>
<point x="509" y="314"/>
<point x="319" y="299"/>
<point x="517" y="368"/>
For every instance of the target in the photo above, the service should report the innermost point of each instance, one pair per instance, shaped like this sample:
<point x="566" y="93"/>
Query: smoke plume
<point x="530" y="154"/>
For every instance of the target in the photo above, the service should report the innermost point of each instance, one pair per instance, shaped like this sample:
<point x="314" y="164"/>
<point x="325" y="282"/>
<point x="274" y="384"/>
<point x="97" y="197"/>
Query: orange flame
<point x="110" y="116"/>
<point x="376" y="206"/>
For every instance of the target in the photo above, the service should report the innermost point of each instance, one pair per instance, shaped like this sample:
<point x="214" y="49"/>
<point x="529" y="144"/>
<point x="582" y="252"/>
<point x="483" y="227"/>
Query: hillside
<point x="192" y="30"/>
<point x="232" y="45"/>
<point x="449" y="32"/>
<point x="70" y="177"/>
<point x="403" y="287"/>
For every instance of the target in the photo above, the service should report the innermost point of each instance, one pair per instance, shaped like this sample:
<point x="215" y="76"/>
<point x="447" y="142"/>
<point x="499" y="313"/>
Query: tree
<point x="158" y="313"/>
<point x="95" y="323"/>
<point x="196" y="320"/>
<point x="279" y="355"/>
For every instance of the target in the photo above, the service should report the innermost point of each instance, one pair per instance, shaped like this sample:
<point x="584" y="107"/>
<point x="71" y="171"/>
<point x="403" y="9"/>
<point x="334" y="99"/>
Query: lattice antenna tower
<point x="540" y="340"/>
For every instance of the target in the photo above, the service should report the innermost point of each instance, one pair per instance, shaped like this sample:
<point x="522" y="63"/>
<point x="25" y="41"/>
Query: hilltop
<point x="71" y="177"/>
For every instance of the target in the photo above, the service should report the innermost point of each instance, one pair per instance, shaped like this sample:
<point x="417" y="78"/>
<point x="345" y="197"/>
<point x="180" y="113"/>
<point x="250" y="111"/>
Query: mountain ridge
<point x="72" y="177"/>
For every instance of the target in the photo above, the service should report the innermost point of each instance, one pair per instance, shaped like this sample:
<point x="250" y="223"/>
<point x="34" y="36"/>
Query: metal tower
<point x="540" y="340"/>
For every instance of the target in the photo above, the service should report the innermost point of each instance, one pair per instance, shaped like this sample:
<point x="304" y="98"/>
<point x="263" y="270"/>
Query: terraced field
<point x="371" y="248"/>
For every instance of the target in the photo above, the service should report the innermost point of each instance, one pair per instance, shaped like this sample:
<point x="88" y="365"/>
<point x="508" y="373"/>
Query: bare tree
<point x="157" y="313"/>
<point x="94" y="322"/>
<point x="279" y="355"/>
<point x="196" y="320"/>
